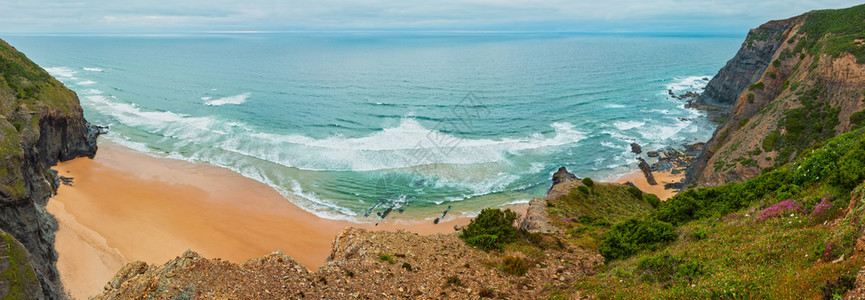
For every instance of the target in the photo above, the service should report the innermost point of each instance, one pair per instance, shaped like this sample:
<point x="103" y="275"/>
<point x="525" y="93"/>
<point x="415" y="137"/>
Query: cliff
<point x="811" y="91"/>
<point x="747" y="66"/>
<point x="41" y="123"/>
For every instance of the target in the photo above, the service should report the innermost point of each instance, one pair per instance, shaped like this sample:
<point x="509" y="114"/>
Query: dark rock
<point x="674" y="185"/>
<point x="652" y="154"/>
<point x="663" y="165"/>
<point x="705" y="78"/>
<point x="636" y="148"/>
<point x="562" y="176"/>
<point x="628" y="183"/>
<point x="436" y="221"/>
<point x="647" y="171"/>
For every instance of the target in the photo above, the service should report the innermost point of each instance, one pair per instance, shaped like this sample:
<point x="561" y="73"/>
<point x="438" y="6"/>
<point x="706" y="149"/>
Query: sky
<point x="189" y="16"/>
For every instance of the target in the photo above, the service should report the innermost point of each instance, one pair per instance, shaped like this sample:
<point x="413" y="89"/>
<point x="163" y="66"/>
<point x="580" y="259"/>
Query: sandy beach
<point x="125" y="206"/>
<point x="638" y="179"/>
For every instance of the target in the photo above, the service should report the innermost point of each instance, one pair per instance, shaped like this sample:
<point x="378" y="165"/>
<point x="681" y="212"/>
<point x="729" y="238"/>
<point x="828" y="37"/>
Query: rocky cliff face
<point x="41" y="123"/>
<point x="812" y="90"/>
<point x="747" y="66"/>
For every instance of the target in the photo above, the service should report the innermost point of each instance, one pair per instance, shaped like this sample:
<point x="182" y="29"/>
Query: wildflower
<point x="779" y="208"/>
<point x="822" y="209"/>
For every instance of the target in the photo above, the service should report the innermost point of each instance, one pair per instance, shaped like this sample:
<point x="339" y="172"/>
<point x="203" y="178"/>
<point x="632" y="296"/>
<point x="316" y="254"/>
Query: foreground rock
<point x="362" y="264"/>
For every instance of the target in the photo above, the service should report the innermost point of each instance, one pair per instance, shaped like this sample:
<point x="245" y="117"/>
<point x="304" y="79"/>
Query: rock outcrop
<point x="362" y="264"/>
<point x="647" y="171"/>
<point x="561" y="176"/>
<point x="810" y="91"/>
<point x="41" y="123"/>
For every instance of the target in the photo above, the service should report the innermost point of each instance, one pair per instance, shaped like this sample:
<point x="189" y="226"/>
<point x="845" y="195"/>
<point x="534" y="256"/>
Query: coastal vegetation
<point x="783" y="234"/>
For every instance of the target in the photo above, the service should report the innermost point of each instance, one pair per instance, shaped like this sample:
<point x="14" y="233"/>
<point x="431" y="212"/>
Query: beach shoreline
<point x="125" y="205"/>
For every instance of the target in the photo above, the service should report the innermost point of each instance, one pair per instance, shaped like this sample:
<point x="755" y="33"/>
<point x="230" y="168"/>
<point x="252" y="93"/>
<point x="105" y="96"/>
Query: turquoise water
<point x="347" y="125"/>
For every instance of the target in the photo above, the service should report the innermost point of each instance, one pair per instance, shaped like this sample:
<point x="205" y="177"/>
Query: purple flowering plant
<point x="822" y="210"/>
<point x="779" y="208"/>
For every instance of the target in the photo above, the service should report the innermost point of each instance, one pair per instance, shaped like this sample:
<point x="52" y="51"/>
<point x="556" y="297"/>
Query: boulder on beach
<point x="636" y="148"/>
<point x="644" y="166"/>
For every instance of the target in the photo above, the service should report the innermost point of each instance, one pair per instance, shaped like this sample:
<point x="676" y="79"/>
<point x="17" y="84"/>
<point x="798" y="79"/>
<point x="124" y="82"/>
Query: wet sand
<point x="125" y="206"/>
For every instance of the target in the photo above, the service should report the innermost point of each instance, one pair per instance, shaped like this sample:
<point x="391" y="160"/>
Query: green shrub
<point x="667" y="268"/>
<point x="699" y="233"/>
<point x="629" y="237"/>
<point x="453" y="281"/>
<point x="588" y="182"/>
<point x="769" y="141"/>
<point x="835" y="289"/>
<point x="857" y="119"/>
<point x="596" y="221"/>
<point x="750" y="97"/>
<point x="636" y="192"/>
<point x="776" y="64"/>
<point x="514" y="265"/>
<point x="756" y="86"/>
<point x="772" y="75"/>
<point x="583" y="189"/>
<point x="491" y="229"/>
<point x="653" y="200"/>
<point x="851" y="169"/>
<point x="386" y="257"/>
<point x="406" y="266"/>
<point x="487" y="292"/>
<point x="485" y="242"/>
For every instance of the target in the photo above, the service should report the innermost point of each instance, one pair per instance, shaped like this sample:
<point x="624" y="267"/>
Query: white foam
<point x="206" y="98"/>
<point x="408" y="145"/>
<point x="688" y="83"/>
<point x="661" y="132"/>
<point x="236" y="99"/>
<point x="614" y="106"/>
<point x="515" y="202"/>
<point x="628" y="125"/>
<point x="124" y="141"/>
<point x="86" y="82"/>
<point x="61" y="72"/>
<point x="93" y="69"/>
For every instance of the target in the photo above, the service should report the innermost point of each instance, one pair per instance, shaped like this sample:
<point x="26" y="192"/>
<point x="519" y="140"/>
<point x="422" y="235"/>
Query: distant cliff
<point x="41" y="123"/>
<point x="794" y="84"/>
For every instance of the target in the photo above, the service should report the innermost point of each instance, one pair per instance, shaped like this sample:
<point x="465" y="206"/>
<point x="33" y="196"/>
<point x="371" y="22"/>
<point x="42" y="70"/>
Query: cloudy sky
<point x="181" y="16"/>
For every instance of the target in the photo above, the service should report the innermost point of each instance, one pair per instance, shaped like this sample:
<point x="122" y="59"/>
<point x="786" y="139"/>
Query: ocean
<point x="349" y="125"/>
